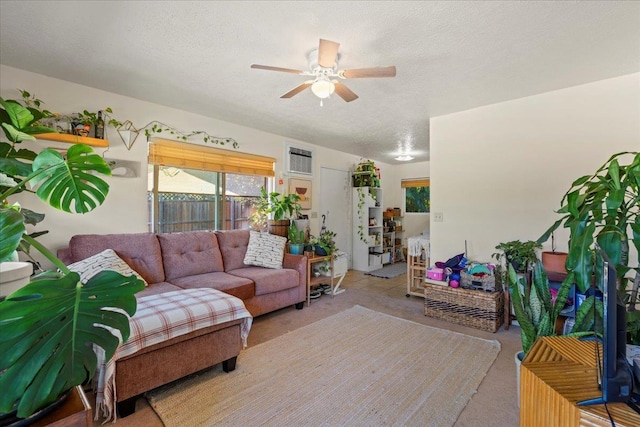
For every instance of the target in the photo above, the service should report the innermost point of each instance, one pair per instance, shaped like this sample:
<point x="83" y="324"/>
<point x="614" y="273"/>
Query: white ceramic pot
<point x="13" y="276"/>
<point x="518" y="359"/>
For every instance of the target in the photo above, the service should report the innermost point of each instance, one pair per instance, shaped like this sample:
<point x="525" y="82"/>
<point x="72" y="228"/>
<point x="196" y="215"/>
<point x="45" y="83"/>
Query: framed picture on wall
<point x="301" y="187"/>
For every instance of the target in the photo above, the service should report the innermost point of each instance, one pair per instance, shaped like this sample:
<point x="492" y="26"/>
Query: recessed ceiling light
<point x="404" y="158"/>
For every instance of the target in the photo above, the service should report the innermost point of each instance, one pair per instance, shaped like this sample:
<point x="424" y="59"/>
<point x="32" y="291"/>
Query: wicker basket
<point x="469" y="281"/>
<point x="477" y="309"/>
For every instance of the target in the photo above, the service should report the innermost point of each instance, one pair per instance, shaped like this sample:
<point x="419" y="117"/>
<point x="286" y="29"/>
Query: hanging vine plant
<point x="361" y="200"/>
<point x="156" y="127"/>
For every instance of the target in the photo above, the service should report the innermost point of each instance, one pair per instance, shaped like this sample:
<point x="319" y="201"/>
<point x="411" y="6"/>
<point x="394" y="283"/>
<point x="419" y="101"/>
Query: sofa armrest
<point x="65" y="255"/>
<point x="298" y="263"/>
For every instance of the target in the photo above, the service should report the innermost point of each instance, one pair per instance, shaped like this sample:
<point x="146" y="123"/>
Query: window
<point x="193" y="187"/>
<point x="417" y="195"/>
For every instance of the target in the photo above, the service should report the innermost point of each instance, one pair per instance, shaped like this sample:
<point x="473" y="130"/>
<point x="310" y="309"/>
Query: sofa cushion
<point x="157" y="288"/>
<point x="239" y="287"/>
<point x="105" y="260"/>
<point x="189" y="253"/>
<point x="233" y="246"/>
<point x="269" y="280"/>
<point x="140" y="250"/>
<point x="265" y="250"/>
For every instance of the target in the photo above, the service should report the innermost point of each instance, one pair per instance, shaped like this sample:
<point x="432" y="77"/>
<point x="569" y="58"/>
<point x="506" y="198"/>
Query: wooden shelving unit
<point x="417" y="265"/>
<point x="73" y="139"/>
<point x="392" y="236"/>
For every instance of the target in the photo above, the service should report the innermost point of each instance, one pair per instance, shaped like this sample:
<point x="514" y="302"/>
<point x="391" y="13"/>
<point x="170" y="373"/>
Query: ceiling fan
<point x="323" y="67"/>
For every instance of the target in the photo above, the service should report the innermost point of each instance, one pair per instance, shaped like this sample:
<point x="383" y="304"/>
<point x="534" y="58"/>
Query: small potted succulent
<point x="296" y="240"/>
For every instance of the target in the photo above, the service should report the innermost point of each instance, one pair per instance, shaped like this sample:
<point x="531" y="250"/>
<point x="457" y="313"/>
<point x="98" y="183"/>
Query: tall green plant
<point x="604" y="208"/>
<point x="47" y="328"/>
<point x="533" y="305"/>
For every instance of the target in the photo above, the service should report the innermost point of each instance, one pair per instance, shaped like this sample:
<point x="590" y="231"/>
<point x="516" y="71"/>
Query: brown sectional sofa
<point x="197" y="259"/>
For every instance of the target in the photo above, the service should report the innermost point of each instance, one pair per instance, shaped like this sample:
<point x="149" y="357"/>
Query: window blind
<point x="416" y="182"/>
<point x="165" y="152"/>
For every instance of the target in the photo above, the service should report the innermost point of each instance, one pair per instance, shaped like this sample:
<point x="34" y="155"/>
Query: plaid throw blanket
<point x="159" y="318"/>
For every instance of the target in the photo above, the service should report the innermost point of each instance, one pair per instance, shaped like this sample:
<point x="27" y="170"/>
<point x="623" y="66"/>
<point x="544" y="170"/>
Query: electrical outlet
<point x="438" y="217"/>
<point x="314" y="214"/>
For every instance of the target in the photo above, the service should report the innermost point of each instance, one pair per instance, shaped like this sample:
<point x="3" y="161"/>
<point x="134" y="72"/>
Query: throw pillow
<point x="265" y="250"/>
<point x="105" y="260"/>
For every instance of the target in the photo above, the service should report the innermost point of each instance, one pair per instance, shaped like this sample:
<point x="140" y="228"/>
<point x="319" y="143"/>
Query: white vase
<point x="518" y="359"/>
<point x="13" y="276"/>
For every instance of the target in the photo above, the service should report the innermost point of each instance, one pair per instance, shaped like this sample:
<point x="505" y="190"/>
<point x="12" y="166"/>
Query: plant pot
<point x="554" y="262"/>
<point x="13" y="276"/>
<point x="518" y="359"/>
<point x="320" y="251"/>
<point x="10" y="419"/>
<point x="279" y="227"/>
<point x="296" y="248"/>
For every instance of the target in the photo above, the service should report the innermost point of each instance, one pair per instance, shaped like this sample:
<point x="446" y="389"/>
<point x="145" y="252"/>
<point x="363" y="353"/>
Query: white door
<point x="335" y="205"/>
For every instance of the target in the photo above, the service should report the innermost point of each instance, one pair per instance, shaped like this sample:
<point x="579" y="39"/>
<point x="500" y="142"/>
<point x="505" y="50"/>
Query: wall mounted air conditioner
<point x="299" y="160"/>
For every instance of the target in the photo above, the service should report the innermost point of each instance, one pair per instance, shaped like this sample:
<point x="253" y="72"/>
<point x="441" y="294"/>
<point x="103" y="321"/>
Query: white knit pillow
<point x="105" y="260"/>
<point x="265" y="250"/>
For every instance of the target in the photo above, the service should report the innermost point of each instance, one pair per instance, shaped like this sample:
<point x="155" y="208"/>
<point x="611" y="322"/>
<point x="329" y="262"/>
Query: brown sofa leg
<point x="300" y="305"/>
<point x="127" y="407"/>
<point x="229" y="364"/>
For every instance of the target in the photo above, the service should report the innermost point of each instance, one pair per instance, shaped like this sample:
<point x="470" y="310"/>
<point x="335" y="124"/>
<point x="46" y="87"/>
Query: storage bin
<point x="435" y="274"/>
<point x="386" y="258"/>
<point x="477" y="309"/>
<point x="469" y="281"/>
<point x="375" y="261"/>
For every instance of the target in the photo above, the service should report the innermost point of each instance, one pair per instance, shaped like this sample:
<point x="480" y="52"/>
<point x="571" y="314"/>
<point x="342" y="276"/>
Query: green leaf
<point x="547" y="233"/>
<point x="11" y="229"/>
<point x="19" y="116"/>
<point x="527" y="328"/>
<point x="614" y="174"/>
<point x="31" y="217"/>
<point x="579" y="259"/>
<point x="610" y="240"/>
<point x="16" y="135"/>
<point x="49" y="325"/>
<point x="69" y="185"/>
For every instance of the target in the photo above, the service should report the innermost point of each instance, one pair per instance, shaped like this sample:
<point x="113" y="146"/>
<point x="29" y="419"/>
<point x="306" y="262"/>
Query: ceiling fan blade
<point x="344" y="92"/>
<point x="327" y="53"/>
<point x="369" y="72"/>
<point x="296" y="90"/>
<point x="284" y="70"/>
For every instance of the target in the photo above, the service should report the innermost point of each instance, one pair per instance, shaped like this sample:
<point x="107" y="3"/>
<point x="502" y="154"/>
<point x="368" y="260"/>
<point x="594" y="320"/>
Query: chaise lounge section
<point x="190" y="260"/>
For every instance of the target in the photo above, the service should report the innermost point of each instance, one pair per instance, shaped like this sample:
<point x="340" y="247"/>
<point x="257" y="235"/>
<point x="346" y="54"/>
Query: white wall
<point x="498" y="172"/>
<point x="125" y="209"/>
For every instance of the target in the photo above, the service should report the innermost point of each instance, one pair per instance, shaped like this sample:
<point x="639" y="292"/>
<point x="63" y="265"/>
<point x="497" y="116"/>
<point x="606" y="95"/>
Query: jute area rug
<point x="355" y="368"/>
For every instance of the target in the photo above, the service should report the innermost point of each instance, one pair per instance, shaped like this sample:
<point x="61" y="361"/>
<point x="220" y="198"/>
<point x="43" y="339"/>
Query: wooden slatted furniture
<point x="558" y="372"/>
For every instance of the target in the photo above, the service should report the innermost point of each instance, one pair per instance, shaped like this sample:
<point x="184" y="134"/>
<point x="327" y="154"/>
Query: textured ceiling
<point x="450" y="56"/>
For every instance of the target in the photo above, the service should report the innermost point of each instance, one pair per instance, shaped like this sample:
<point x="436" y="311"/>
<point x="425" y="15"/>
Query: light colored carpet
<point x="390" y="271"/>
<point x="358" y="367"/>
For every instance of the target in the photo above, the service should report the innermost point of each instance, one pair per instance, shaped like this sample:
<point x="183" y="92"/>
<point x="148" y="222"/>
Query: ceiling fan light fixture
<point x="322" y="88"/>
<point x="404" y="158"/>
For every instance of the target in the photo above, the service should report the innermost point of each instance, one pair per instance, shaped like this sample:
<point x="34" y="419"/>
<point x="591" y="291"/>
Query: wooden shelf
<point x="73" y="139"/>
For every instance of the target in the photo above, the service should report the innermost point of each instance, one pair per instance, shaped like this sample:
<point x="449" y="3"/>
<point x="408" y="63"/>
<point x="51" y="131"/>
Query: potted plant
<point x="49" y="326"/>
<point x="323" y="244"/>
<point x="296" y="240"/>
<point x="602" y="208"/>
<point x="535" y="308"/>
<point x="521" y="255"/>
<point x="281" y="207"/>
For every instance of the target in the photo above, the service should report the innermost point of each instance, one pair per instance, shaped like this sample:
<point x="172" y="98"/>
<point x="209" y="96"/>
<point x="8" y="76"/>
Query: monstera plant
<point x="48" y="327"/>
